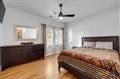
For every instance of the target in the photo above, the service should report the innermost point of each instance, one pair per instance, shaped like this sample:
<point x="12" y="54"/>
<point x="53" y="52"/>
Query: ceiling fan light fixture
<point x="60" y="17"/>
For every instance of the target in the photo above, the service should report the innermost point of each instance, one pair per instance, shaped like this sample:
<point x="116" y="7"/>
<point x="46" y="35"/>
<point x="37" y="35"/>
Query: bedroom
<point x="95" y="18"/>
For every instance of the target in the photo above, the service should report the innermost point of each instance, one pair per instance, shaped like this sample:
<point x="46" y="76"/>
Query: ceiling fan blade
<point x="69" y="15"/>
<point x="53" y="12"/>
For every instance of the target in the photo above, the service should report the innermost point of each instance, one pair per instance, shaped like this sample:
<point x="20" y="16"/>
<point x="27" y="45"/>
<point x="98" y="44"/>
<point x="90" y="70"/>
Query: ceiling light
<point x="60" y="17"/>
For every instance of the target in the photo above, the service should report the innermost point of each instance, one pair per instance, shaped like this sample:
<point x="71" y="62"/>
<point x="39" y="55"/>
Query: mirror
<point x="26" y="33"/>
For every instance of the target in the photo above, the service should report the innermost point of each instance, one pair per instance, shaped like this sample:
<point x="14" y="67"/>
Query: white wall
<point x="119" y="25"/>
<point x="119" y="20"/>
<point x="15" y="17"/>
<point x="1" y="33"/>
<point x="68" y="35"/>
<point x="104" y="23"/>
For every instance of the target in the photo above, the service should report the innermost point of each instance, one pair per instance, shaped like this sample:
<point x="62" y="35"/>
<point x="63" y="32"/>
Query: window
<point x="50" y="36"/>
<point x="58" y="37"/>
<point x="54" y="36"/>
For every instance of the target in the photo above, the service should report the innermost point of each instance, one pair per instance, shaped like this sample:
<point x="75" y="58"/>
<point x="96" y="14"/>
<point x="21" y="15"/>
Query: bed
<point x="93" y="62"/>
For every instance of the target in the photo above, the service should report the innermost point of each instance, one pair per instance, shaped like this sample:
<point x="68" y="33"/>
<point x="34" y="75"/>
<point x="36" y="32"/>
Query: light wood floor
<point x="40" y="69"/>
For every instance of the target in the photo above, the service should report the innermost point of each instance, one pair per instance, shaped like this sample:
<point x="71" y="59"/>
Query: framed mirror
<point x="25" y="33"/>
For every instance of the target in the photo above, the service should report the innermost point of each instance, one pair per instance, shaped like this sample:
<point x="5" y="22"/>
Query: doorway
<point x="54" y="40"/>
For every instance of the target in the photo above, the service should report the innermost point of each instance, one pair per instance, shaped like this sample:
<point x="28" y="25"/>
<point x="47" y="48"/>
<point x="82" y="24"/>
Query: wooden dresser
<point x="19" y="54"/>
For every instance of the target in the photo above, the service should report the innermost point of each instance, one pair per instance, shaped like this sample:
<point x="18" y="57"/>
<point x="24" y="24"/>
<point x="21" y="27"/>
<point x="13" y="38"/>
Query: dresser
<point x="19" y="54"/>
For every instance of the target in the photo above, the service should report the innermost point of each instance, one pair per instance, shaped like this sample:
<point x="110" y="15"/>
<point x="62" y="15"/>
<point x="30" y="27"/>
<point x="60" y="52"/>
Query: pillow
<point x="104" y="45"/>
<point x="89" y="44"/>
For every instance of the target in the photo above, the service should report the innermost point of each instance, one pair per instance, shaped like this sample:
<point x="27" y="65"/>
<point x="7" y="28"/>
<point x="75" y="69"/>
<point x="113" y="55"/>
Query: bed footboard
<point x="74" y="71"/>
<point x="83" y="70"/>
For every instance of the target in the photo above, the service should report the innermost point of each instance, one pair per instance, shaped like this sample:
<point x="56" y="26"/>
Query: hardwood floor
<point x="40" y="69"/>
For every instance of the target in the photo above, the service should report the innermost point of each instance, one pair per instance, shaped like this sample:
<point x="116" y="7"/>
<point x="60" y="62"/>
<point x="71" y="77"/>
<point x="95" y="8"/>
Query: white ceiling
<point x="81" y="8"/>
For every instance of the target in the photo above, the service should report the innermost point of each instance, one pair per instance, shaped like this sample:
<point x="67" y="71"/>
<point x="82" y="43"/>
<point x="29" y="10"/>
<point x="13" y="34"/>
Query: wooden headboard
<point x="114" y="39"/>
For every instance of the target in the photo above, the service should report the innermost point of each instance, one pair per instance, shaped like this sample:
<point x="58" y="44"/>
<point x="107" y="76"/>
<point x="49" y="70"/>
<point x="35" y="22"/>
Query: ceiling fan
<point x="61" y="15"/>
